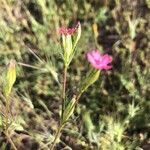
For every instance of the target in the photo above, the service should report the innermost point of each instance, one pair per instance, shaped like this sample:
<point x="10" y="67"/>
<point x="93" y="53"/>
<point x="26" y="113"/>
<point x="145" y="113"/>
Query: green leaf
<point x="10" y="78"/>
<point x="89" y="80"/>
<point x="69" y="109"/>
<point x="78" y="36"/>
<point x="88" y="124"/>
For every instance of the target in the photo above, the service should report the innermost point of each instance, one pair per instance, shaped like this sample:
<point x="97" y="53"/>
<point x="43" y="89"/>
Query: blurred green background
<point x="114" y="113"/>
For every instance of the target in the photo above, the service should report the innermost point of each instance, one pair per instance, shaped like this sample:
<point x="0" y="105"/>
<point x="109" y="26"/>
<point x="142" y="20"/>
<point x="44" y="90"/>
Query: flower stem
<point x="63" y="107"/>
<point x="10" y="140"/>
<point x="56" y="136"/>
<point x="7" y="114"/>
<point x="7" y="125"/>
<point x="64" y="88"/>
<point x="62" y="125"/>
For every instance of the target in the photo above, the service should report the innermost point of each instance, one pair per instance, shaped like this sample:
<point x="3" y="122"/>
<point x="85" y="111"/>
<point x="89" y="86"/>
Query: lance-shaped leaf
<point x="10" y="78"/>
<point x="67" y="49"/>
<point x="75" y="39"/>
<point x="78" y="35"/>
<point x="89" y="80"/>
<point x="69" y="109"/>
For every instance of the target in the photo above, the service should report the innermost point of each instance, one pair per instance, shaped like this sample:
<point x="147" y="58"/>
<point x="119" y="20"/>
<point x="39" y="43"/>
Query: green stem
<point x="62" y="125"/>
<point x="7" y="125"/>
<point x="7" y="114"/>
<point x="64" y="89"/>
<point x="10" y="140"/>
<point x="63" y="107"/>
<point x="56" y="137"/>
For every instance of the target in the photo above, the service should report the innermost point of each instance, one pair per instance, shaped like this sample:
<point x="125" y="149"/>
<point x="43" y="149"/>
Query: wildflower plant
<point x="70" y="38"/>
<point x="69" y="42"/>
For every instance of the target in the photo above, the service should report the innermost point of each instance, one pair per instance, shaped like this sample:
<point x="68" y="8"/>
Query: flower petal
<point x="99" y="61"/>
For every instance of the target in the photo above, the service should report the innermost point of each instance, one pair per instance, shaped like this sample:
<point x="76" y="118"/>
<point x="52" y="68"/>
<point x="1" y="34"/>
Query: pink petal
<point x="90" y="58"/>
<point x="107" y="59"/>
<point x="96" y="54"/>
<point x="107" y="67"/>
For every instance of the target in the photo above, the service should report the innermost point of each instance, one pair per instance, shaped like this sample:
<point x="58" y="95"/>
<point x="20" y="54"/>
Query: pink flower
<point x="99" y="61"/>
<point x="66" y="31"/>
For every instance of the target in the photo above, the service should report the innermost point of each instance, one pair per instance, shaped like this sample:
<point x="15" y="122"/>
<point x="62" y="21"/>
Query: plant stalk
<point x="56" y="137"/>
<point x="7" y="125"/>
<point x="63" y="107"/>
<point x="10" y="140"/>
<point x="7" y="114"/>
<point x="62" y="125"/>
<point x="64" y="89"/>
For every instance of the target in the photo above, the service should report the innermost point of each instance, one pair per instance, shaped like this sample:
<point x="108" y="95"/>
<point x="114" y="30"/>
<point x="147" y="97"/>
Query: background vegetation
<point x="114" y="112"/>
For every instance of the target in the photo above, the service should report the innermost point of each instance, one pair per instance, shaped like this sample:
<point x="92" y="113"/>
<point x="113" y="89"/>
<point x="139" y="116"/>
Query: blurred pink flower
<point x="67" y="31"/>
<point x="99" y="61"/>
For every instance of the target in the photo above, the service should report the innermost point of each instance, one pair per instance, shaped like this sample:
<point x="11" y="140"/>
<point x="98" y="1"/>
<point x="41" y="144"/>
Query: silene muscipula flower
<point x="98" y="60"/>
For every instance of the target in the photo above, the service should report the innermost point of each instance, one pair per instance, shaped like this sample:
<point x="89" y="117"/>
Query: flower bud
<point x="70" y="38"/>
<point x="10" y="78"/>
